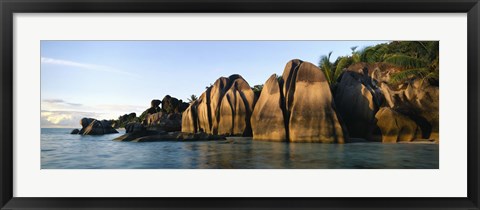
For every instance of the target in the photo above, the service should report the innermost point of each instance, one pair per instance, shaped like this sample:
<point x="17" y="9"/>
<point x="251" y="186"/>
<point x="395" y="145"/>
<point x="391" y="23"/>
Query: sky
<point x="106" y="79"/>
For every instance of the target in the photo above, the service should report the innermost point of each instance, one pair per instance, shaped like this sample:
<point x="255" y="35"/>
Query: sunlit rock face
<point x="311" y="109"/>
<point x="395" y="127"/>
<point x="268" y="122"/>
<point x="305" y="104"/>
<point x="420" y="102"/>
<point x="189" y="118"/>
<point x="224" y="108"/>
<point x="217" y="92"/>
<point x="203" y="112"/>
<point x="236" y="109"/>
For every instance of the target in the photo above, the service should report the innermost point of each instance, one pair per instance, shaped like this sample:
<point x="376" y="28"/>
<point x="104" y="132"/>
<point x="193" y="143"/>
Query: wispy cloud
<point x="88" y="66"/>
<point x="60" y="101"/>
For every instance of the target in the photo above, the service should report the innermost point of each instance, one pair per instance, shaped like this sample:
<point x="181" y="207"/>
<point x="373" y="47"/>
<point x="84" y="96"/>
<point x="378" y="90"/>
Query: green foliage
<point x="374" y="54"/>
<point x="353" y="49"/>
<point x="340" y="64"/>
<point x="142" y="117"/>
<point x="192" y="98"/>
<point x="124" y="120"/>
<point x="408" y="73"/>
<point x="405" y="61"/>
<point x="418" y="59"/>
<point x="333" y="71"/>
<point x="257" y="89"/>
<point x="326" y="66"/>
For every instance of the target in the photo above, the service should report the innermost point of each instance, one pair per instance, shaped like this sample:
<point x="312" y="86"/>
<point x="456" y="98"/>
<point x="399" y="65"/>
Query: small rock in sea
<point x="75" y="131"/>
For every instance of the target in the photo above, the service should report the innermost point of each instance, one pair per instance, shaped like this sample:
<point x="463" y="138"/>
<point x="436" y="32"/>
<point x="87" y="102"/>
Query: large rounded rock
<point x="170" y="104"/>
<point x="84" y="122"/>
<point x="395" y="127"/>
<point x="289" y="75"/>
<point x="297" y="108"/>
<point x="217" y="91"/>
<point x="224" y="108"/>
<point x="155" y="103"/>
<point x="312" y="112"/>
<point x="268" y="122"/>
<point x="154" y="106"/>
<point x="189" y="118"/>
<point x="356" y="104"/>
<point x="236" y="109"/>
<point x="203" y="112"/>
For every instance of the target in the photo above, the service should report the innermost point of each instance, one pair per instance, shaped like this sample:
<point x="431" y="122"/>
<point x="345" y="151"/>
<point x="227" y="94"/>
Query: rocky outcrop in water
<point x="154" y="106"/>
<point x="223" y="109"/>
<point x="164" y="122"/>
<point x="171" y="136"/>
<point x="92" y="126"/>
<point x="305" y="104"/>
<point x="75" y="131"/>
<point x="155" y="120"/>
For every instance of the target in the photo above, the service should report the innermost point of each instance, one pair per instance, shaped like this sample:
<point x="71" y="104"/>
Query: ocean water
<point x="61" y="150"/>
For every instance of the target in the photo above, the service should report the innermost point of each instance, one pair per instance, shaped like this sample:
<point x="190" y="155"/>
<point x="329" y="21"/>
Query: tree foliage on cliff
<point x="333" y="70"/>
<point x="418" y="59"/>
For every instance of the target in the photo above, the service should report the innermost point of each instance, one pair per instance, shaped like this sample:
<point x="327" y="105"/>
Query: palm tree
<point x="192" y="98"/>
<point x="423" y="63"/>
<point x="374" y="54"/>
<point x="326" y="66"/>
<point x="341" y="64"/>
<point x="355" y="54"/>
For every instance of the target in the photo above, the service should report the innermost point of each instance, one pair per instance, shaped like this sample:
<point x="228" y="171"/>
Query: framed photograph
<point x="239" y="104"/>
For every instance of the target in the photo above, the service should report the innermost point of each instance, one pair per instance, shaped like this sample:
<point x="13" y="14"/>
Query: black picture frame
<point x="9" y="7"/>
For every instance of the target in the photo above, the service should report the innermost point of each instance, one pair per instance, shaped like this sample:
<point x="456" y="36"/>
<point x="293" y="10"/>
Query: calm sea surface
<point x="61" y="150"/>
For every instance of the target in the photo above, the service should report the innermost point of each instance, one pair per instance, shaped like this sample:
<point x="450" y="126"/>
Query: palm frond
<point x="405" y="61"/>
<point x="326" y="66"/>
<point x="367" y="54"/>
<point x="342" y="64"/>
<point x="408" y="73"/>
<point x="328" y="73"/>
<point x="356" y="58"/>
<point x="353" y="48"/>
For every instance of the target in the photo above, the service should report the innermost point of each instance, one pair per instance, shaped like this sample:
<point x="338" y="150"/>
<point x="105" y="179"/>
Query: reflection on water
<point x="62" y="150"/>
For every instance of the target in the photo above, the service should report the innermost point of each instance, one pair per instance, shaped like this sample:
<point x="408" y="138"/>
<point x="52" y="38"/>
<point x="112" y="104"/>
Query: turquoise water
<point x="61" y="150"/>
